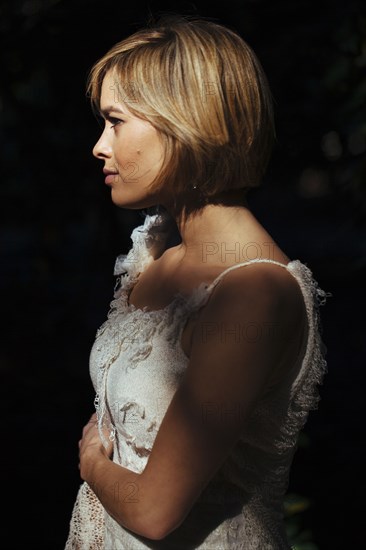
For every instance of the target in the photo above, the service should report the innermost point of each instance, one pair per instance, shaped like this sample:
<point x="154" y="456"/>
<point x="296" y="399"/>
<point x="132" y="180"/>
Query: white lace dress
<point x="136" y="364"/>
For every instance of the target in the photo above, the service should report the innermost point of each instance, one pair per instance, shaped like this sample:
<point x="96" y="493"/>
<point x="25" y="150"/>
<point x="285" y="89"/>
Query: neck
<point x="222" y="219"/>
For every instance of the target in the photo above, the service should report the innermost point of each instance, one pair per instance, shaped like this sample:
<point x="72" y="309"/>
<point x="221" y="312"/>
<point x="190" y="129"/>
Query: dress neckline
<point x="201" y="287"/>
<point x="139" y="257"/>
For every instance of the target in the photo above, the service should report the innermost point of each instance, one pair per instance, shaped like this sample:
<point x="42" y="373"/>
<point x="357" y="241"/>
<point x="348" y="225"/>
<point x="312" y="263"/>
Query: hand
<point x="91" y="446"/>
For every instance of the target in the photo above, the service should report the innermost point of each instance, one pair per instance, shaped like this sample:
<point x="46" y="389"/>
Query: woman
<point x="210" y="358"/>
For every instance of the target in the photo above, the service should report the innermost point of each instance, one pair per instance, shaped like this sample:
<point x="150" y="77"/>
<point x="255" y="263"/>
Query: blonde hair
<point x="202" y="87"/>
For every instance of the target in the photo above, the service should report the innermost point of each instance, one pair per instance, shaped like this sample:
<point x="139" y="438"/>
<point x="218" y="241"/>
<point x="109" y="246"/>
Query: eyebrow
<point x="107" y="110"/>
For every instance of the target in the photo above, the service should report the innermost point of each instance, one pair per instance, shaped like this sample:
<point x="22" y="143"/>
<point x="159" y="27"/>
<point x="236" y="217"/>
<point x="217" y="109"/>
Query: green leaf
<point x="295" y="504"/>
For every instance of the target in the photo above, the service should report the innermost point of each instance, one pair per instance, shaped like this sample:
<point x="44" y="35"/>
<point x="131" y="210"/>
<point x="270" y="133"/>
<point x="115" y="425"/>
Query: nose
<point x="102" y="149"/>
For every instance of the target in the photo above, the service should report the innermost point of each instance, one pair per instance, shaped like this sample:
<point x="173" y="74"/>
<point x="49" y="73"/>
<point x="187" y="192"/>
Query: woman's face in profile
<point x="130" y="147"/>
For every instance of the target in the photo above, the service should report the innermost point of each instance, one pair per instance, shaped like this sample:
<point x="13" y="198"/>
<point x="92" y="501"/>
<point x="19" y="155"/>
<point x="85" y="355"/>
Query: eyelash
<point x="116" y="121"/>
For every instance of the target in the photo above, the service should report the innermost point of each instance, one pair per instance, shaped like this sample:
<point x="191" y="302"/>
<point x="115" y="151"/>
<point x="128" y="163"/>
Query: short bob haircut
<point x="202" y="87"/>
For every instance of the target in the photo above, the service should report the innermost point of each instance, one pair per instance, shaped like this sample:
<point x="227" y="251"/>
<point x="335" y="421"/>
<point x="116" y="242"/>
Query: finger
<point x="89" y="426"/>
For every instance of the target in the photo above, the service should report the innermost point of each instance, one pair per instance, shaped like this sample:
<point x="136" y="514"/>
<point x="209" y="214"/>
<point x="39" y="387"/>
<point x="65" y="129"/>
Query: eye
<point x="115" y="121"/>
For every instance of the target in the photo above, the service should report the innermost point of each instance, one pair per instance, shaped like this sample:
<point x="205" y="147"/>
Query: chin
<point x="133" y="203"/>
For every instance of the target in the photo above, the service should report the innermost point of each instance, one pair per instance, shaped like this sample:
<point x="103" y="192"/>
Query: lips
<point x="109" y="172"/>
<point x="111" y="176"/>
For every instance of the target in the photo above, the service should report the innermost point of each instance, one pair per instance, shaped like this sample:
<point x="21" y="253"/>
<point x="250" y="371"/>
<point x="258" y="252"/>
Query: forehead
<point x="113" y="94"/>
<point x="109" y="92"/>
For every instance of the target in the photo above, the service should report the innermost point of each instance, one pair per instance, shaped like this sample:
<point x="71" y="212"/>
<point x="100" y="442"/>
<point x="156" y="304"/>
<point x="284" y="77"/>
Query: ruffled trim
<point x="305" y="389"/>
<point x="314" y="297"/>
<point x="130" y="334"/>
<point x="298" y="394"/>
<point x="139" y="256"/>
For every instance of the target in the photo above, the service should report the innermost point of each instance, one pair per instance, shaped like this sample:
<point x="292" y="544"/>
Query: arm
<point x="226" y="372"/>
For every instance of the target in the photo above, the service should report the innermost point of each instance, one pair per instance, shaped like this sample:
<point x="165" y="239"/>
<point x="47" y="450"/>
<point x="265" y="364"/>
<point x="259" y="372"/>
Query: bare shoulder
<point x="256" y="313"/>
<point x="259" y="285"/>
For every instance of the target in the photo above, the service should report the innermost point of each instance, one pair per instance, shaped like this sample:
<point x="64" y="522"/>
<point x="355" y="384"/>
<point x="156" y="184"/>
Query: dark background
<point x="60" y="235"/>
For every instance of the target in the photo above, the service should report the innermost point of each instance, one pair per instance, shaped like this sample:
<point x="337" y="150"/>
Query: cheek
<point x="152" y="152"/>
<point x="140" y="153"/>
<point x="134" y="148"/>
<point x="147" y="142"/>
